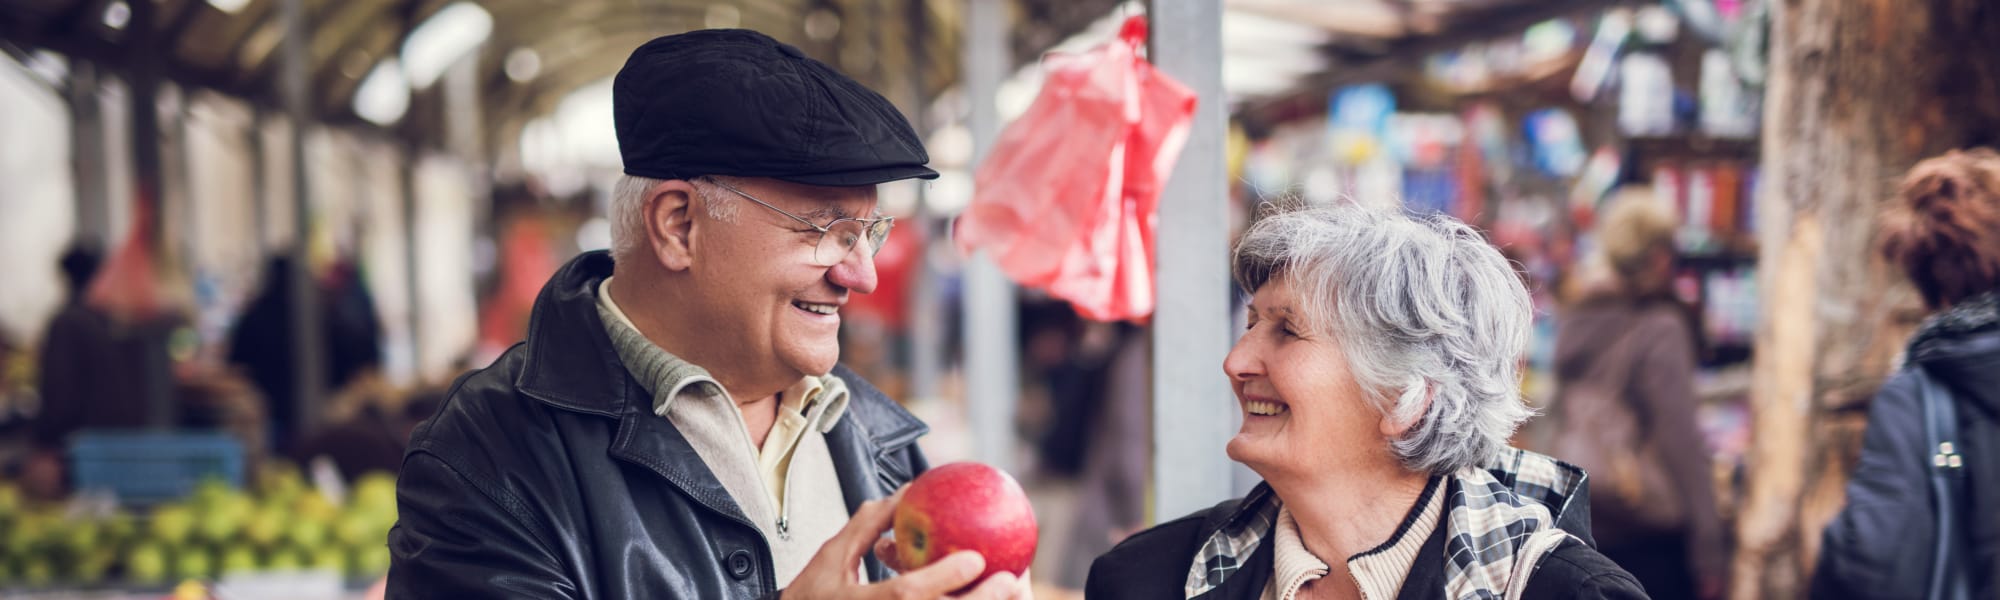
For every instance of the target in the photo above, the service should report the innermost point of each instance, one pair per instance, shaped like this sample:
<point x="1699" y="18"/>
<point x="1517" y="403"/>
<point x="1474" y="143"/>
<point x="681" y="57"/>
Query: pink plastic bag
<point x="1066" y="202"/>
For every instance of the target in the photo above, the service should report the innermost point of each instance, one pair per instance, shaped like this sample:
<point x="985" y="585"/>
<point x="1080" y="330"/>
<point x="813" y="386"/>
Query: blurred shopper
<point x="83" y="343"/>
<point x="1068" y="356"/>
<point x="1379" y="385"/>
<point x="263" y="340"/>
<point x="77" y="347"/>
<point x="677" y="425"/>
<point x="1943" y="231"/>
<point x="1111" y="500"/>
<point x="1625" y="410"/>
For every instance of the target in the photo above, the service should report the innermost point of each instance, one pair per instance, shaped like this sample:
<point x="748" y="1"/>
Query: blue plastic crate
<point x="147" y="467"/>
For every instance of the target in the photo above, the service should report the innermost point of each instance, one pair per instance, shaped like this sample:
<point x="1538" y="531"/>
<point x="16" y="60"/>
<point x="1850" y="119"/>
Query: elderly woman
<point x="1378" y="385"/>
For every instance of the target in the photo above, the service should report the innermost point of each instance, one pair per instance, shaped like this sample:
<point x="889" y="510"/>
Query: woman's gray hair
<point x="1421" y="307"/>
<point x="628" y="223"/>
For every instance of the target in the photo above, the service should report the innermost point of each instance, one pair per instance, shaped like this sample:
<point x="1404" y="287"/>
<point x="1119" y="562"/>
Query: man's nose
<point x="857" y="271"/>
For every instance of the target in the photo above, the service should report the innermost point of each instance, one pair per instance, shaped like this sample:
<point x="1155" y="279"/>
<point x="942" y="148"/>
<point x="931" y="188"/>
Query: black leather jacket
<point x="547" y="475"/>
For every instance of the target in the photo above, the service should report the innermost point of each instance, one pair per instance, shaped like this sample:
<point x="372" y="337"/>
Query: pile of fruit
<point x="215" y="531"/>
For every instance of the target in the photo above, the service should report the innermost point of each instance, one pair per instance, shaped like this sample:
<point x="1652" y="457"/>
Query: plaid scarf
<point x="1498" y="515"/>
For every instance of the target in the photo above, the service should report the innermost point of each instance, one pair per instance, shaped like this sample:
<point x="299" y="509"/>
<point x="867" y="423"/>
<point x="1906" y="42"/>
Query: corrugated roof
<point x="574" y="42"/>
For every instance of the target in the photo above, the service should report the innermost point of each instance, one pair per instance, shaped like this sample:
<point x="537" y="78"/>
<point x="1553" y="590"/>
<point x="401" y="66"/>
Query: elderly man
<point x="675" y="424"/>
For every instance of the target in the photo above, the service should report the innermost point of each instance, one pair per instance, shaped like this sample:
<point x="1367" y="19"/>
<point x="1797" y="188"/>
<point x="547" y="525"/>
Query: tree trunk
<point x="1859" y="91"/>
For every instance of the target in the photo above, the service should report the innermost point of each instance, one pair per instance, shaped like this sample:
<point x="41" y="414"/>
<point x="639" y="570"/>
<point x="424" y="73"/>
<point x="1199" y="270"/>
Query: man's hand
<point x="834" y="572"/>
<point x="885" y="549"/>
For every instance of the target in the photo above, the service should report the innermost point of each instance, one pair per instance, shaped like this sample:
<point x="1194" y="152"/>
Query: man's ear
<point x="669" y="213"/>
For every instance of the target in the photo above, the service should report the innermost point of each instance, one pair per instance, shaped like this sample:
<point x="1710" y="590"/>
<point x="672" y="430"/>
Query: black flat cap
<point x="736" y="102"/>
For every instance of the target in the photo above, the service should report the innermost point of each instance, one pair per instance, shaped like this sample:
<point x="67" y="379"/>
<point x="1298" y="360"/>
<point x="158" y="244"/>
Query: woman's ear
<point x="669" y="213"/>
<point x="1394" y="428"/>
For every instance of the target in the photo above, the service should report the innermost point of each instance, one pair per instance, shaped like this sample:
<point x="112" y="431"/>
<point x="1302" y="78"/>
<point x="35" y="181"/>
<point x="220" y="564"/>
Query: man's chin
<point x="815" y="366"/>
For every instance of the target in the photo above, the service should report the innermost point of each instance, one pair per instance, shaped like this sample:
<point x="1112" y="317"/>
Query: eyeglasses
<point x="837" y="239"/>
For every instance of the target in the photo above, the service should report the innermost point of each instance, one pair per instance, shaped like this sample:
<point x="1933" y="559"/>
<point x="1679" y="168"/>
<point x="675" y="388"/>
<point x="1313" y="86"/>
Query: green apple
<point x="371" y="561"/>
<point x="194" y="562"/>
<point x="286" y="559"/>
<point x="312" y="506"/>
<point x="330" y="558"/>
<point x="78" y="537"/>
<point x="224" y="517"/>
<point x="25" y="535"/>
<point x="119" y="528"/>
<point x="354" y="528"/>
<point x="208" y="492"/>
<point x="283" y="498"/>
<point x="37" y="572"/>
<point x="171" y="523"/>
<point x="238" y="559"/>
<point x="90" y="568"/>
<point x="146" y="563"/>
<point x="375" y="490"/>
<point x="265" y="526"/>
<point x="278" y="477"/>
<point x="307" y="533"/>
<point x="10" y="499"/>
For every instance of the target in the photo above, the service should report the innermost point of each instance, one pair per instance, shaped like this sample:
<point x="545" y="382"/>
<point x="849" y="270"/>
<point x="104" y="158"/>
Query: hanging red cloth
<point x="129" y="286"/>
<point x="1067" y="200"/>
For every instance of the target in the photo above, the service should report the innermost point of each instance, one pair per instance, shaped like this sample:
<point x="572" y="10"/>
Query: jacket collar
<point x="1959" y="346"/>
<point x="1975" y="313"/>
<point x="871" y="450"/>
<point x="571" y="363"/>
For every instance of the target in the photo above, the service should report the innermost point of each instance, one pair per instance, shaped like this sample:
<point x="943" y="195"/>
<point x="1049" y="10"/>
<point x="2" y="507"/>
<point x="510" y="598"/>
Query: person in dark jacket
<point x="676" y="424"/>
<point x="1940" y="231"/>
<point x="81" y="343"/>
<point x="1378" y="385"/>
<point x="264" y="339"/>
<point x="1629" y="338"/>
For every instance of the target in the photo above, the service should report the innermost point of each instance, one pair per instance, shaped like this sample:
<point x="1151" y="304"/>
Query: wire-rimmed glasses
<point x="836" y="239"/>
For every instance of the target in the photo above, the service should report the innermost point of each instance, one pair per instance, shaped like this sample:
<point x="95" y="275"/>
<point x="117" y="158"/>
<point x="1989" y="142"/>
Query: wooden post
<point x="1859" y="92"/>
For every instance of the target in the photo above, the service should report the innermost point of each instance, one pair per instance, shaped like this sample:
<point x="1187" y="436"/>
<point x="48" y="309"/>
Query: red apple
<point x="966" y="506"/>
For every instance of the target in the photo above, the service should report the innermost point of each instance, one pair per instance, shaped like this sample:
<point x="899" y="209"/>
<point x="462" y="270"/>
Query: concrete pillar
<point x="1193" y="411"/>
<point x="308" y="333"/>
<point x="992" y="354"/>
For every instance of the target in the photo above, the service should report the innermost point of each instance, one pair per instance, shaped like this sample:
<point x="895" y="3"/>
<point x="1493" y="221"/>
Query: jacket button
<point x="740" y="565"/>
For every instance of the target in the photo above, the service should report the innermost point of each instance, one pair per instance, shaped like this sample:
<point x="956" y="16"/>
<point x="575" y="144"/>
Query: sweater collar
<point x="1379" y="571"/>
